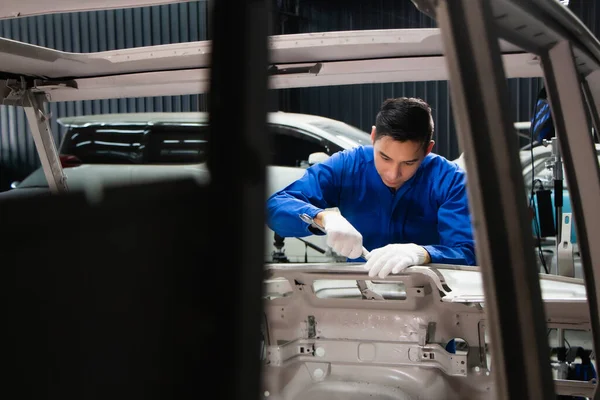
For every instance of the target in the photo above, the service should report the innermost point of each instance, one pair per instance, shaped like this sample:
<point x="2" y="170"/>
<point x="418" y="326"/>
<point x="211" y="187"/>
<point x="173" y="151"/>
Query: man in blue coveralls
<point x="406" y="204"/>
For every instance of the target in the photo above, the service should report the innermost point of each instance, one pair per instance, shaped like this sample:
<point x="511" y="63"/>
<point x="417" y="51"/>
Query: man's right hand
<point x="342" y="237"/>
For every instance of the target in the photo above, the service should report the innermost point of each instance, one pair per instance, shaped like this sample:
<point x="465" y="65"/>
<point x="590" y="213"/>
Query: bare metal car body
<point x="329" y="332"/>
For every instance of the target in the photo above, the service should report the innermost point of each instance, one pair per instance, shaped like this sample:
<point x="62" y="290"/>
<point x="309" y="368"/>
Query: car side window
<point x="178" y="144"/>
<point x="130" y="144"/>
<point x="112" y="144"/>
<point x="291" y="147"/>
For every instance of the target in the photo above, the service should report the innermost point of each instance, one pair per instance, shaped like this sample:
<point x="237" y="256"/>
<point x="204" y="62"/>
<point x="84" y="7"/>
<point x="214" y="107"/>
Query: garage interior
<point x="161" y="289"/>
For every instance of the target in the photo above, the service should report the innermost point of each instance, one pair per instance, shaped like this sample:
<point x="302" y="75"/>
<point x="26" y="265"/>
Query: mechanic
<point x="395" y="196"/>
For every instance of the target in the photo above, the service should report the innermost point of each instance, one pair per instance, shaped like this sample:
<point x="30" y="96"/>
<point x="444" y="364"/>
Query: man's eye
<point x="409" y="163"/>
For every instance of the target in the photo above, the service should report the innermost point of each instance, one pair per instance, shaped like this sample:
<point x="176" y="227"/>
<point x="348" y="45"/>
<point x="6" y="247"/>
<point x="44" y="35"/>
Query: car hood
<point x="89" y="177"/>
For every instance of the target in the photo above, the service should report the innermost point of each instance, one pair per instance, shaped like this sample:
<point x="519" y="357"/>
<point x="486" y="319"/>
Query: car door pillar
<point x="33" y="104"/>
<point x="573" y="128"/>
<point x="237" y="157"/>
<point x="591" y="89"/>
<point x="592" y="104"/>
<point x="503" y="235"/>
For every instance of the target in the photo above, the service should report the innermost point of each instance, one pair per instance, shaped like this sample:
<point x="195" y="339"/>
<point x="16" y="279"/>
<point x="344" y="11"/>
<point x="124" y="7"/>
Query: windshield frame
<point x="342" y="131"/>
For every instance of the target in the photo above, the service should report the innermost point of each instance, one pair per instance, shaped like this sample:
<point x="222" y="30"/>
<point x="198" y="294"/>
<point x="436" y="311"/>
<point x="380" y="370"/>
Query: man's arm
<point x="455" y="232"/>
<point x="316" y="190"/>
<point x="457" y="245"/>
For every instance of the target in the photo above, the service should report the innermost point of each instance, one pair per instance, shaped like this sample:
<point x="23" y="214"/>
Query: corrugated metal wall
<point x="358" y="104"/>
<point x="355" y="104"/>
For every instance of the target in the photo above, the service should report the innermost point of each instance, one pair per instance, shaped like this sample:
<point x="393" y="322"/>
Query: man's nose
<point x="395" y="173"/>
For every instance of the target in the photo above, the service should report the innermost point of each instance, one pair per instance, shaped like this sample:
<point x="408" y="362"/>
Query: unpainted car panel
<point x="343" y="345"/>
<point x="378" y="383"/>
<point x="365" y="347"/>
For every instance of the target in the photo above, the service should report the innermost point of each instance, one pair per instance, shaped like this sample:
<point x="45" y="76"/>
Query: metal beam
<point x="20" y="58"/>
<point x="28" y="8"/>
<point x="573" y="128"/>
<point x="237" y="156"/>
<point x="496" y="191"/>
<point x="33" y="104"/>
<point x="196" y="81"/>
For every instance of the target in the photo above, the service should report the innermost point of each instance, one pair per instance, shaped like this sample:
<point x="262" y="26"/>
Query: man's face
<point x="395" y="161"/>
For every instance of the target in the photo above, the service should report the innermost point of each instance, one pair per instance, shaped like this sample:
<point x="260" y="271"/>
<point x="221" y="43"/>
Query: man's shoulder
<point x="445" y="173"/>
<point x="439" y="164"/>
<point x="356" y="155"/>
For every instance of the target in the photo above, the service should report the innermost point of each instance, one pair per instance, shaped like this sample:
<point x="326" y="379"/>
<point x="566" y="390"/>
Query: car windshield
<point x="343" y="131"/>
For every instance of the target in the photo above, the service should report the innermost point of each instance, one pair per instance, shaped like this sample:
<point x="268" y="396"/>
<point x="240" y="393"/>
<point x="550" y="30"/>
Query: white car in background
<point x="119" y="149"/>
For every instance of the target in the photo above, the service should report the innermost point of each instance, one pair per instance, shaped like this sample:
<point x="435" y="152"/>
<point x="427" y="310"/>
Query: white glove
<point x="342" y="237"/>
<point x="394" y="258"/>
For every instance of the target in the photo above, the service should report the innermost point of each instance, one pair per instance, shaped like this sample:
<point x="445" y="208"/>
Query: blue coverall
<point x="430" y="209"/>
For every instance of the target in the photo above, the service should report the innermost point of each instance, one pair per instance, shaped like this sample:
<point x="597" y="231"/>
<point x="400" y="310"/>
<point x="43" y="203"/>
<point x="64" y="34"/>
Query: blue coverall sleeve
<point x="316" y="190"/>
<point x="457" y="245"/>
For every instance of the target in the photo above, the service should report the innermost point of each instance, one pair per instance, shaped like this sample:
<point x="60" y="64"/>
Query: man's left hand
<point x="395" y="258"/>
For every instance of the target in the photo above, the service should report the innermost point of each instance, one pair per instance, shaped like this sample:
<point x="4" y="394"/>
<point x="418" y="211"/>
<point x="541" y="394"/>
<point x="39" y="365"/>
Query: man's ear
<point x="429" y="147"/>
<point x="373" y="130"/>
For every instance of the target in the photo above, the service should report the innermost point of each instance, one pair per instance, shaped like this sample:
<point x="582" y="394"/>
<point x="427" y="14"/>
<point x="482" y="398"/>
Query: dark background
<point x="353" y="104"/>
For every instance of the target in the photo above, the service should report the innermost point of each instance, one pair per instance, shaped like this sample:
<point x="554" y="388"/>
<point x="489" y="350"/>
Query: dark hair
<point x="405" y="119"/>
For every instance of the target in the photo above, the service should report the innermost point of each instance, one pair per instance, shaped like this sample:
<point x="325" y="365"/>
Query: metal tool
<point x="367" y="293"/>
<point x="306" y="218"/>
